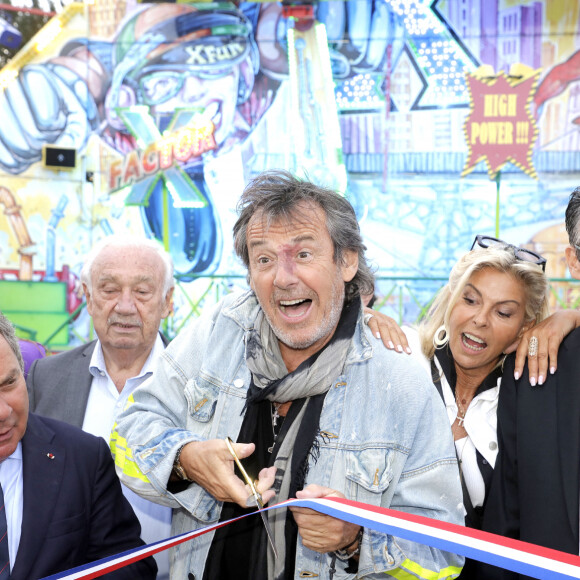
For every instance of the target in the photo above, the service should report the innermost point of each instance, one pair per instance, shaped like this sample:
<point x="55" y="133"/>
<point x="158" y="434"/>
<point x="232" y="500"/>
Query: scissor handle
<point x="248" y="479"/>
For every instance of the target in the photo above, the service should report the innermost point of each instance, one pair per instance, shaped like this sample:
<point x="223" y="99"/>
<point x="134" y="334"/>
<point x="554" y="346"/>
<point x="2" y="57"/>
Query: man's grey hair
<point x="278" y="194"/>
<point x="7" y="332"/>
<point x="124" y="242"/>
<point x="573" y="220"/>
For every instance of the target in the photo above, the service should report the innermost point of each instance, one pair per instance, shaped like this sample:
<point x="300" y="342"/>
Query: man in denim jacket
<point x="289" y="370"/>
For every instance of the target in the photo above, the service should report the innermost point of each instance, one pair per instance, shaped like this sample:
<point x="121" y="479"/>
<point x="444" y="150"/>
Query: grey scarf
<point x="313" y="377"/>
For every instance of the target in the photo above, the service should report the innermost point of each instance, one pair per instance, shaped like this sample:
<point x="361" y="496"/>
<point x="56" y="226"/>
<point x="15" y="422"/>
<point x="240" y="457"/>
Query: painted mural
<point x="169" y="109"/>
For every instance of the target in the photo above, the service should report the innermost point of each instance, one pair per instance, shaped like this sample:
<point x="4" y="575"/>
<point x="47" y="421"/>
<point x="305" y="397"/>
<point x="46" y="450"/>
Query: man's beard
<point x="326" y="329"/>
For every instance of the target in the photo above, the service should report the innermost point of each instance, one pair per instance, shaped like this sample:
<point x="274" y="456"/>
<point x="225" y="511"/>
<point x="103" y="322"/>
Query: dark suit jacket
<point x="59" y="386"/>
<point x="74" y="511"/>
<point x="536" y="494"/>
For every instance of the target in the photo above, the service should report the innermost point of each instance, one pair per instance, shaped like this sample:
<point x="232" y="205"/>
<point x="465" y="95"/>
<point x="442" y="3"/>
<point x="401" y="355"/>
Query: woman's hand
<point x="385" y="328"/>
<point x="550" y="334"/>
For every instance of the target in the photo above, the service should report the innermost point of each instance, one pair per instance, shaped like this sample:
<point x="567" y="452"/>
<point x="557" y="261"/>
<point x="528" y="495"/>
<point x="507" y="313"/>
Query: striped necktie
<point x="4" y="555"/>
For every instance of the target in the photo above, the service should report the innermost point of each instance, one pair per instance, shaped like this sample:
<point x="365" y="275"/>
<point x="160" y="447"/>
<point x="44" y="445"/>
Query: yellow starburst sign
<point x="500" y="127"/>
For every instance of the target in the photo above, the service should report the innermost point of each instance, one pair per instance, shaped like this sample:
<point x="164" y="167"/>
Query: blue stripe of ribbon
<point x="363" y="516"/>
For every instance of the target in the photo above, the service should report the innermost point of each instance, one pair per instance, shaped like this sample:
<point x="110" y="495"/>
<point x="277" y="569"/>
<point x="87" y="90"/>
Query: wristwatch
<point x="178" y="468"/>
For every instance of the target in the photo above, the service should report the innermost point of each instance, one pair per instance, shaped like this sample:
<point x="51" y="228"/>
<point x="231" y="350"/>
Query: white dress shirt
<point x="11" y="481"/>
<point x="103" y="404"/>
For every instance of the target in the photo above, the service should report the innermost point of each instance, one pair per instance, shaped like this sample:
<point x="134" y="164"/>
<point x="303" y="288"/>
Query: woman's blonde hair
<point x="500" y="258"/>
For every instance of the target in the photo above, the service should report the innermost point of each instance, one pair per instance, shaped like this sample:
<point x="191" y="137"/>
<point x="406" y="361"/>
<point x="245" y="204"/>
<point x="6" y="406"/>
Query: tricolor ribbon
<point x="514" y="555"/>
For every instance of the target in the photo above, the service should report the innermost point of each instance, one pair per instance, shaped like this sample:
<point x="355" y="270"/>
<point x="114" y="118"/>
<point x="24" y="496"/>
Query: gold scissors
<point x="256" y="497"/>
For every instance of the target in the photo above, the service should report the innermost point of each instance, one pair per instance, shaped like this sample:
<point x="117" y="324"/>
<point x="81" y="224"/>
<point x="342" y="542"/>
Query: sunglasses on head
<point x="521" y="254"/>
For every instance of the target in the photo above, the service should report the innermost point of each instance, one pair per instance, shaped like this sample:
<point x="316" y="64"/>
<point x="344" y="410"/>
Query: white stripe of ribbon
<point x="514" y="555"/>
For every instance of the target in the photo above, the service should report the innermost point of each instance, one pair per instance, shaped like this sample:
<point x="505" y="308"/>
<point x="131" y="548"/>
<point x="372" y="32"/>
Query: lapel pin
<point x="50" y="455"/>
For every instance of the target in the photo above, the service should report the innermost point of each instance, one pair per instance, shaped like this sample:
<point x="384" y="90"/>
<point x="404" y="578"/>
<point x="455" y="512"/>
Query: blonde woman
<point x="496" y="292"/>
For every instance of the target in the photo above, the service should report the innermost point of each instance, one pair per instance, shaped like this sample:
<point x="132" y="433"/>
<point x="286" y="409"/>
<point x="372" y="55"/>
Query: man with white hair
<point x="128" y="284"/>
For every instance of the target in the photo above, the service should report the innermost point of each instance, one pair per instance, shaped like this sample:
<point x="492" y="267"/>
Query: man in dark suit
<point x="128" y="284"/>
<point x="63" y="502"/>
<point x="537" y="494"/>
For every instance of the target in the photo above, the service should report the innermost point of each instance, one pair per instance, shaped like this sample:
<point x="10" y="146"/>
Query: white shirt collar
<point x="97" y="365"/>
<point x="17" y="453"/>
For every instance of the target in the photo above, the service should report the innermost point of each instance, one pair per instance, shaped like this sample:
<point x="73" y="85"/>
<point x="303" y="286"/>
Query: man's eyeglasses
<point x="159" y="86"/>
<point x="522" y="254"/>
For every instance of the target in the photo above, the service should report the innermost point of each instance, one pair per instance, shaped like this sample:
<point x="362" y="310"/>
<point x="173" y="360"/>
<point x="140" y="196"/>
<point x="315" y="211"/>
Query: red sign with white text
<point x="500" y="127"/>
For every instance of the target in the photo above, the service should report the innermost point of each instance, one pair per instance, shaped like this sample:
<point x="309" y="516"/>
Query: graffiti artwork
<point x="172" y="108"/>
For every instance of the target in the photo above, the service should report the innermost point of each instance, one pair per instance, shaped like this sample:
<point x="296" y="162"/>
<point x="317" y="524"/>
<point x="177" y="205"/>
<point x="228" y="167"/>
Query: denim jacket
<point x="384" y="440"/>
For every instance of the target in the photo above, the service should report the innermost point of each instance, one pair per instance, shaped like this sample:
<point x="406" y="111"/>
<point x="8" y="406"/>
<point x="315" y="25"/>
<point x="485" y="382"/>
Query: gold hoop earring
<point x="441" y="337"/>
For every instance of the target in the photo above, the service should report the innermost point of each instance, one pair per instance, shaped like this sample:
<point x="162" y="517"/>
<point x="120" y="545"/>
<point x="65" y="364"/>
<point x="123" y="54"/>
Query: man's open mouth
<point x="295" y="308"/>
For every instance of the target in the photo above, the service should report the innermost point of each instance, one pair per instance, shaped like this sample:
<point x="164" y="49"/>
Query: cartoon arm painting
<point x="46" y="104"/>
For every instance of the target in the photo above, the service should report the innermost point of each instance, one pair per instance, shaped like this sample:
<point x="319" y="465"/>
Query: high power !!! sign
<point x="500" y="127"/>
